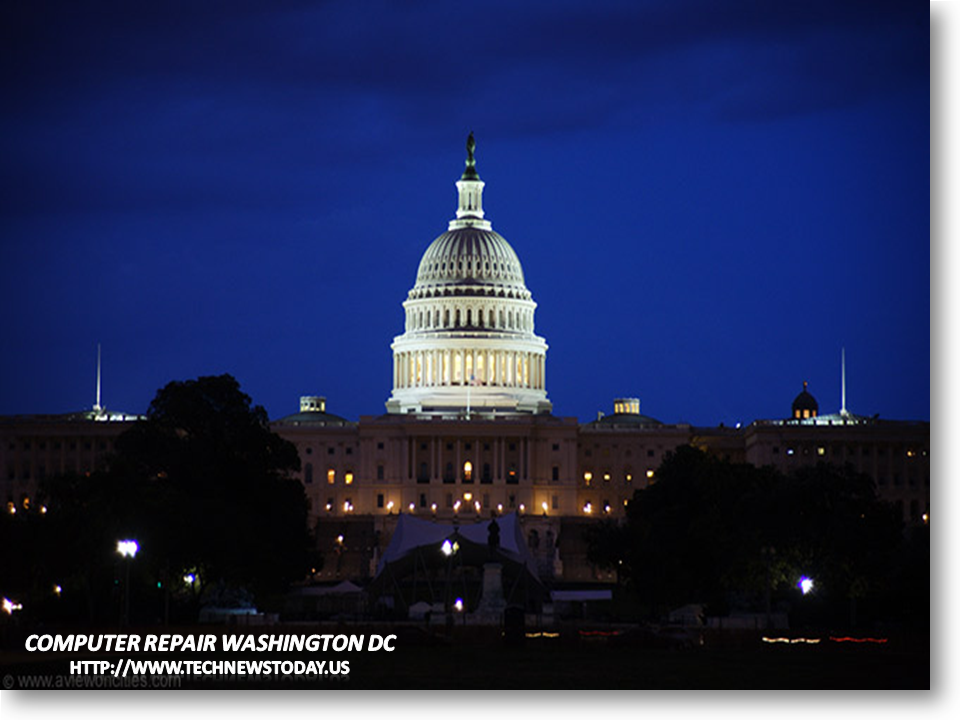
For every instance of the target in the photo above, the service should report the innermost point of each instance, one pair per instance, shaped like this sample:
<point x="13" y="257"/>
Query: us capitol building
<point x="469" y="432"/>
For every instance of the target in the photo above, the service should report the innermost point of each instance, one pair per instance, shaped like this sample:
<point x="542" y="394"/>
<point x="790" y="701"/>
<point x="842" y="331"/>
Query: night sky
<point x="709" y="199"/>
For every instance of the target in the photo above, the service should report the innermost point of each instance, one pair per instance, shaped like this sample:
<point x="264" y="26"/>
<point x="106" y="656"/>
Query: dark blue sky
<point x="708" y="199"/>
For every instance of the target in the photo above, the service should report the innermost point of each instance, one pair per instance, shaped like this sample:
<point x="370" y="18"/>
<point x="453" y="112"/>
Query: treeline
<point x="738" y="537"/>
<point x="204" y="488"/>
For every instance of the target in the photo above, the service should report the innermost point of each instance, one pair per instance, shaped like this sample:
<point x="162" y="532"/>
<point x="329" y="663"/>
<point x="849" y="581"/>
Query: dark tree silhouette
<point x="711" y="531"/>
<point x="203" y="485"/>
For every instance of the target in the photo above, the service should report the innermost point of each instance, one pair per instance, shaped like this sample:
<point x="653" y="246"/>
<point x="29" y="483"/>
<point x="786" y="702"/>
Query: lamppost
<point x="127" y="549"/>
<point x="768" y="553"/>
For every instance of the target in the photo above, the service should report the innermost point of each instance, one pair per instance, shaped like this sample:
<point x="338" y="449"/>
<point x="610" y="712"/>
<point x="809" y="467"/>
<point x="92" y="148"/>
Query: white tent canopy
<point x="414" y="533"/>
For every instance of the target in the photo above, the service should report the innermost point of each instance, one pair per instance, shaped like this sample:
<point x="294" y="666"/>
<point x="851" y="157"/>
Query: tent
<point x="414" y="566"/>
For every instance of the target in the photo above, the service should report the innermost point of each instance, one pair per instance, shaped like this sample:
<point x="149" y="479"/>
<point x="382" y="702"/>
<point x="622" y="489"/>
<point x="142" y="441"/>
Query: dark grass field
<point x="545" y="664"/>
<point x="480" y="660"/>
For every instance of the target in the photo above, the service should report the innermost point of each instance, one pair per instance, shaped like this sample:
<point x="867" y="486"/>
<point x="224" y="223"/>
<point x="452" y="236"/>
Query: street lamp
<point x="127" y="549"/>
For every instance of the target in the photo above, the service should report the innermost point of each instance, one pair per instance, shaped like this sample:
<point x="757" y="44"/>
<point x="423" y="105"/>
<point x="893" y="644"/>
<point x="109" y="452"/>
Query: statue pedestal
<point x="492" y="603"/>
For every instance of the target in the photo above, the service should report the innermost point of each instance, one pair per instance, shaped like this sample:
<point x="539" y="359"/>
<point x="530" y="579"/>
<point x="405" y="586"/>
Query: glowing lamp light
<point x="390" y="506"/>
<point x="433" y="507"/>
<point x="411" y="508"/>
<point x="9" y="606"/>
<point x="805" y="584"/>
<point x="476" y="505"/>
<point x="339" y="539"/>
<point x="499" y="507"/>
<point x="456" y="506"/>
<point x="606" y="508"/>
<point x="926" y="518"/>
<point x="329" y="507"/>
<point x="447" y="548"/>
<point x="57" y="590"/>
<point x="128" y="548"/>
<point x="544" y="506"/>
<point x="458" y="604"/>
<point x="43" y="509"/>
<point x="189" y="579"/>
<point x="588" y="508"/>
<point x="468" y="496"/>
<point x="522" y="507"/>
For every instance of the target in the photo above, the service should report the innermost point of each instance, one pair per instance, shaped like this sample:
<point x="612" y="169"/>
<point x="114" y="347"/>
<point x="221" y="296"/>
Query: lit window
<point x="348" y="478"/>
<point x="606" y="477"/>
<point x="821" y="451"/>
<point x="468" y="496"/>
<point x="649" y="473"/>
<point x="468" y="471"/>
<point x="587" y="477"/>
<point x="331" y="476"/>
<point x="629" y="477"/>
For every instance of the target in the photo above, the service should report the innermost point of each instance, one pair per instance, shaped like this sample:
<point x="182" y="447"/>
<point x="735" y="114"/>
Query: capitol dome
<point x="469" y="343"/>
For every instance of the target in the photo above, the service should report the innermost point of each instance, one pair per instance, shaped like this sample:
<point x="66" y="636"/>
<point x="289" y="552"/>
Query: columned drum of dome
<point x="469" y="344"/>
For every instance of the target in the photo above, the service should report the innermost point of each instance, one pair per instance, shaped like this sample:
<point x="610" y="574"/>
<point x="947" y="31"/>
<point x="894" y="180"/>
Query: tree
<point x="713" y="531"/>
<point x="204" y="486"/>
